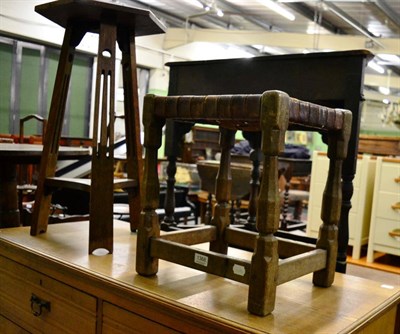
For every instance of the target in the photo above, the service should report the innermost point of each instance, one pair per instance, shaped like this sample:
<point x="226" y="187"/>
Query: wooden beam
<point x="206" y="261"/>
<point x="302" y="264"/>
<point x="192" y="236"/>
<point x="175" y="37"/>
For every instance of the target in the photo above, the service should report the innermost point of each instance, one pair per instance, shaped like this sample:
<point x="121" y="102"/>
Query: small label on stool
<point x="239" y="270"/>
<point x="201" y="259"/>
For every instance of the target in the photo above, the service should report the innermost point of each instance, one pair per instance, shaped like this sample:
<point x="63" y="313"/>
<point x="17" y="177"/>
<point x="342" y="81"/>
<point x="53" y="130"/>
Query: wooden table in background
<point x="11" y="155"/>
<point x="92" y="293"/>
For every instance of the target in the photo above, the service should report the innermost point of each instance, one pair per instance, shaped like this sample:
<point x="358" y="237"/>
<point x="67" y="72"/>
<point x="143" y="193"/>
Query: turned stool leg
<point x="223" y="188"/>
<point x="149" y="223"/>
<point x="331" y="203"/>
<point x="264" y="262"/>
<point x="255" y="157"/>
<point x="175" y="132"/>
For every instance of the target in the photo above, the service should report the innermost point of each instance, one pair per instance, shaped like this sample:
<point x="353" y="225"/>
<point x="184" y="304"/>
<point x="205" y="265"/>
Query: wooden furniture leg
<point x="221" y="217"/>
<point x="331" y="202"/>
<point x="134" y="161"/>
<point x="73" y="36"/>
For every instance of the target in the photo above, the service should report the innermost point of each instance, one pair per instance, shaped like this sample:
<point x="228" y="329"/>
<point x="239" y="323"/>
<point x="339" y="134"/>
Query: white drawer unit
<point x="359" y="216"/>
<point x="384" y="233"/>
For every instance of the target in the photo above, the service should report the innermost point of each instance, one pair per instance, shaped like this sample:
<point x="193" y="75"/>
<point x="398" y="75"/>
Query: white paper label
<point x="239" y="270"/>
<point x="201" y="259"/>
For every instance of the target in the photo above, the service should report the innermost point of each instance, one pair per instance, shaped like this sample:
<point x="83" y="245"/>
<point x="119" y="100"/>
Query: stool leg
<point x="264" y="262"/>
<point x="169" y="203"/>
<point x="73" y="36"/>
<point x="223" y="188"/>
<point x="174" y="134"/>
<point x="331" y="204"/>
<point x="149" y="223"/>
<point x="102" y="189"/>
<point x="126" y="42"/>
<point x="254" y="139"/>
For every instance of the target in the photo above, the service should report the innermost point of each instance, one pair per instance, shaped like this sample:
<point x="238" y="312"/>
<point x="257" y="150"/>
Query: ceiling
<point x="318" y="25"/>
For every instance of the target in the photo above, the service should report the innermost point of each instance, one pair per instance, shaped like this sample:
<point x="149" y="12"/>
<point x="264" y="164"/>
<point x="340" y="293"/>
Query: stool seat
<point x="114" y="24"/>
<point x="90" y="14"/>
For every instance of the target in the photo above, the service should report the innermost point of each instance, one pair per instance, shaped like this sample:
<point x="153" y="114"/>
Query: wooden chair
<point x="271" y="113"/>
<point x="114" y="23"/>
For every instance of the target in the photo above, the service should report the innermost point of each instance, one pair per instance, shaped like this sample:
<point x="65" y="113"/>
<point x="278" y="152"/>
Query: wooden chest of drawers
<point x="384" y="233"/>
<point x="41" y="304"/>
<point x="103" y="294"/>
<point x="359" y="216"/>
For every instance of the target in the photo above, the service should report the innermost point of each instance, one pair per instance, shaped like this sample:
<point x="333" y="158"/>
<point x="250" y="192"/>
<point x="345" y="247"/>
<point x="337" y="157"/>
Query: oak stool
<point x="113" y="23"/>
<point x="272" y="113"/>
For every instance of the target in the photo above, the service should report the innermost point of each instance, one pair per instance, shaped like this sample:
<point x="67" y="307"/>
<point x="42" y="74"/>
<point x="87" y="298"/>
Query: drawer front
<point x="390" y="172"/>
<point x="384" y="205"/>
<point x="64" y="309"/>
<point x="382" y="237"/>
<point x="8" y="327"/>
<point x="118" y="320"/>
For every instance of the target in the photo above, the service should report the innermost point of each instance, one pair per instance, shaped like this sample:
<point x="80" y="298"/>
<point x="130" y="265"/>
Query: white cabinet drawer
<point x="361" y="201"/>
<point x="64" y="310"/>
<point x="390" y="173"/>
<point x="384" y="217"/>
<point x="382" y="237"/>
<point x="384" y="204"/>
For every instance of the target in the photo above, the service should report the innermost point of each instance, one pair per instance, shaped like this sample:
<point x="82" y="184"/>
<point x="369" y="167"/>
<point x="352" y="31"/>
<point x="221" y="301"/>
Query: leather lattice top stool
<point x="113" y="23"/>
<point x="271" y="113"/>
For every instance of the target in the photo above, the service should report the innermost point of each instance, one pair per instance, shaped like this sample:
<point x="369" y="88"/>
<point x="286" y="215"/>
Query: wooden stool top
<point x="243" y="111"/>
<point x="91" y="13"/>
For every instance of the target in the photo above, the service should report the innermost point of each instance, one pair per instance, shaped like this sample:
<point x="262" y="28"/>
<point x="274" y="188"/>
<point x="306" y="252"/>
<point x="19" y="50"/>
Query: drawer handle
<point x="395" y="234"/>
<point x="396" y="206"/>
<point x="397" y="180"/>
<point x="37" y="305"/>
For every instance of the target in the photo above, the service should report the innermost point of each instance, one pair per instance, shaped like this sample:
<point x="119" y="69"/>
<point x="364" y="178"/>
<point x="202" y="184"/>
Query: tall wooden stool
<point x="113" y="23"/>
<point x="271" y="113"/>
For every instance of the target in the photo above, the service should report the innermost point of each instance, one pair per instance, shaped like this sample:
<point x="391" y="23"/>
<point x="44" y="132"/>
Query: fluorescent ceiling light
<point x="376" y="67"/>
<point x="195" y="3"/>
<point x="393" y="59"/>
<point x="384" y="90"/>
<point x="278" y="9"/>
